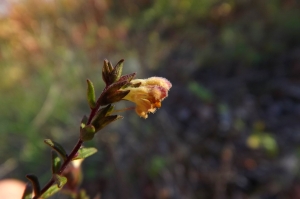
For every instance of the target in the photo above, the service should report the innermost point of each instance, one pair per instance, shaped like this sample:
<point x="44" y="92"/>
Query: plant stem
<point x="73" y="152"/>
<point x="62" y="168"/>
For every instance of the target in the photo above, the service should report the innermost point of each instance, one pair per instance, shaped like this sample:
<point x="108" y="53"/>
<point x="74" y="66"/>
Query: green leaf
<point x="35" y="183"/>
<point x="91" y="94"/>
<point x="57" y="147"/>
<point x="87" y="133"/>
<point x="56" y="162"/>
<point x="27" y="192"/>
<point x="117" y="72"/>
<point x="60" y="182"/>
<point x="52" y="190"/>
<point x="85" y="152"/>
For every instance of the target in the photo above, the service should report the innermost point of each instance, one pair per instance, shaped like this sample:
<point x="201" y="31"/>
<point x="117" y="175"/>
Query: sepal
<point x="117" y="71"/>
<point x="103" y="112"/>
<point x="91" y="94"/>
<point x="128" y="77"/>
<point x="112" y="74"/>
<point x="110" y="98"/>
<point x="103" y="118"/>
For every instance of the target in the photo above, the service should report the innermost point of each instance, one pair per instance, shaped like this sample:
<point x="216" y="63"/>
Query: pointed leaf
<point x="35" y="183"/>
<point x="27" y="192"/>
<point x="111" y="68"/>
<point x="105" y="72"/>
<point x="91" y="94"/>
<point x="56" y="162"/>
<point x="55" y="188"/>
<point x="107" y="120"/>
<point x="57" y="147"/>
<point x="85" y="152"/>
<point x="115" y="97"/>
<point x="117" y="72"/>
<point x="102" y="113"/>
<point x="87" y="133"/>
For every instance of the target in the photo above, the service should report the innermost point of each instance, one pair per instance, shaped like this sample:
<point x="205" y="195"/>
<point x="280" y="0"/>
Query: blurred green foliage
<point x="262" y="140"/>
<point x="156" y="165"/>
<point x="200" y="91"/>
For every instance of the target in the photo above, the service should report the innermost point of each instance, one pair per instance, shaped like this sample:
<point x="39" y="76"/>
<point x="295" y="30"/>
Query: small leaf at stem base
<point x="85" y="152"/>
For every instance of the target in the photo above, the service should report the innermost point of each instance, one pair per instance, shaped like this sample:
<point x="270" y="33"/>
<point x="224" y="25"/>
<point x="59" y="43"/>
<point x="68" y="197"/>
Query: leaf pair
<point x="60" y="181"/>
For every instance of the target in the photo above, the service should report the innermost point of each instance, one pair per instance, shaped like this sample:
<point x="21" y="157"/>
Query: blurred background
<point x="229" y="128"/>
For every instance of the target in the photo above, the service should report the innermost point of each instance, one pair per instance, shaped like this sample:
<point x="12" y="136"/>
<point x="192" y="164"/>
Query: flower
<point x="148" y="95"/>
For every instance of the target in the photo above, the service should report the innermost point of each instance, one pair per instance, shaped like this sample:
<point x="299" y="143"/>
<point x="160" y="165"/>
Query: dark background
<point x="229" y="128"/>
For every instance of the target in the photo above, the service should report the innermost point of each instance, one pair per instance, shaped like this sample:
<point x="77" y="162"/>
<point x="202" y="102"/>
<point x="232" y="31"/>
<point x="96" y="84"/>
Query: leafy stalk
<point x="98" y="118"/>
<point x="73" y="153"/>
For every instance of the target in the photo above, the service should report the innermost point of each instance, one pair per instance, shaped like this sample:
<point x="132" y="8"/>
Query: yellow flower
<point x="148" y="95"/>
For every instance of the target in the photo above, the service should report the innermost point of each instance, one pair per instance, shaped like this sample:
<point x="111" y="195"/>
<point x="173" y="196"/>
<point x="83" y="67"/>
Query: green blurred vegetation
<point x="49" y="47"/>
